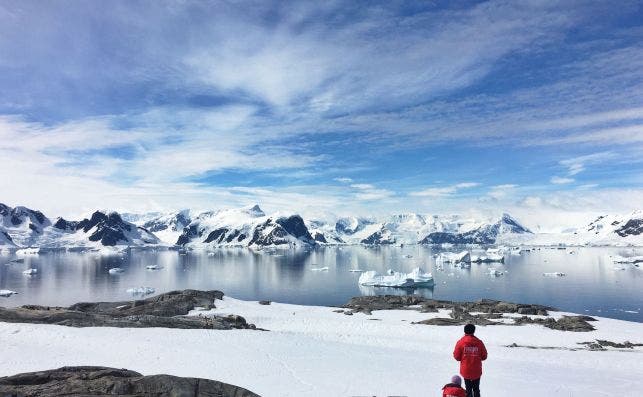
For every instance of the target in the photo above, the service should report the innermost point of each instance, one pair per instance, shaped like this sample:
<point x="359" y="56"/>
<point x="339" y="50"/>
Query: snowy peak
<point x="246" y="226"/>
<point x="109" y="229"/>
<point x="485" y="233"/>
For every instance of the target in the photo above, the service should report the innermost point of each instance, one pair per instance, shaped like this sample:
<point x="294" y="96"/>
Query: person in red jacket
<point x="471" y="352"/>
<point x="454" y="389"/>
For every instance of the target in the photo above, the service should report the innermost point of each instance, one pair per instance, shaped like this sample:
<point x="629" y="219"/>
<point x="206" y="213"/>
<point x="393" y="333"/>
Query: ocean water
<point x="593" y="284"/>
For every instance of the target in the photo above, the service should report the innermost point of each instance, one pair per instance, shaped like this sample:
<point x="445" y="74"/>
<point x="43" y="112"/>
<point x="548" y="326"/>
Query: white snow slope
<point x="311" y="351"/>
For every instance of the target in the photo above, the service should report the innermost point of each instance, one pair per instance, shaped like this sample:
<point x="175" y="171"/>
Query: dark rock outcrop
<point x="633" y="227"/>
<point x="565" y="323"/>
<point x="378" y="238"/>
<point x="102" y="381"/>
<point x="167" y="310"/>
<point x="486" y="310"/>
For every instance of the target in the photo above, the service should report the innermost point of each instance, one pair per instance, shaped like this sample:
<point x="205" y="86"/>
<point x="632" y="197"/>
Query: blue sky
<point x="531" y="107"/>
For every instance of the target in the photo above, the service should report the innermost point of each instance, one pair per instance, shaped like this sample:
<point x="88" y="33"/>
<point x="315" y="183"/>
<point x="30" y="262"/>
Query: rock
<point x="88" y="381"/>
<point x="167" y="310"/>
<point x="565" y="323"/>
<point x="264" y="302"/>
<point x="527" y="310"/>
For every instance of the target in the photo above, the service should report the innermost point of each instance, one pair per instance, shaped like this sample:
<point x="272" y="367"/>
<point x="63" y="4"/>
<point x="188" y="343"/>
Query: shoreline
<point x="315" y="351"/>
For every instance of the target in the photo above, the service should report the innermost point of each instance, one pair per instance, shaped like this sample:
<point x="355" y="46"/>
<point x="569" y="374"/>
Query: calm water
<point x="592" y="285"/>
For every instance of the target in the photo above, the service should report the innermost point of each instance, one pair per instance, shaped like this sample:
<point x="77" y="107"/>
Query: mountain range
<point x="252" y="227"/>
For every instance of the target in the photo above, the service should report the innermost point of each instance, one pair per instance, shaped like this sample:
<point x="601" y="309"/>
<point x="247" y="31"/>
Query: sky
<point x="339" y="107"/>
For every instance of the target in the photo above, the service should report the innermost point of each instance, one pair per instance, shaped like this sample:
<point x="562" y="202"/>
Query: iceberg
<point x="416" y="278"/>
<point x="5" y="293"/>
<point x="141" y="291"/>
<point x="153" y="267"/>
<point x="627" y="259"/>
<point x="487" y="258"/>
<point x="495" y="272"/>
<point x="116" y="270"/>
<point x="554" y="274"/>
<point x="320" y="269"/>
<point x="28" y="251"/>
<point x="30" y="272"/>
<point x="452" y="257"/>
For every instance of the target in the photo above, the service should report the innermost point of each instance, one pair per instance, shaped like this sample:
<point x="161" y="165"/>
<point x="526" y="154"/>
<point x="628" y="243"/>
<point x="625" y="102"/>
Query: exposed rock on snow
<point x="87" y="380"/>
<point x="484" y="234"/>
<point x="416" y="278"/>
<point x="167" y="310"/>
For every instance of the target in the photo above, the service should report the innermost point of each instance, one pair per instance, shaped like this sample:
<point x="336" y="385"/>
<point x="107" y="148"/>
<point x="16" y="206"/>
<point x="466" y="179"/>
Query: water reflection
<point x="592" y="284"/>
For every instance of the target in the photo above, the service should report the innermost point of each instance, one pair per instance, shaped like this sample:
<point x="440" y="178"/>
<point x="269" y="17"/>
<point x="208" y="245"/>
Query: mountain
<point x="107" y="229"/>
<point x="483" y="234"/>
<point x="248" y="227"/>
<point x="166" y="226"/>
<point x="24" y="227"/>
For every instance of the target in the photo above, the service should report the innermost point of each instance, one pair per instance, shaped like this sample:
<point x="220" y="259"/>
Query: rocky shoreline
<point x="482" y="312"/>
<point x="100" y="381"/>
<point x="167" y="310"/>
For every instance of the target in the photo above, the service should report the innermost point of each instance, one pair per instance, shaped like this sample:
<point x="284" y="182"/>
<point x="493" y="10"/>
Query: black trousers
<point x="473" y="387"/>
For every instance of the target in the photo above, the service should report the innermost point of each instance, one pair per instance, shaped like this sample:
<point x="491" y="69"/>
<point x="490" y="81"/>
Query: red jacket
<point x="453" y="390"/>
<point x="470" y="351"/>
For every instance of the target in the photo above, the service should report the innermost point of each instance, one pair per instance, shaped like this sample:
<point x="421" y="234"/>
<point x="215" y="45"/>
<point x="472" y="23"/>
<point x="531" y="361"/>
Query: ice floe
<point x="5" y="293"/>
<point x="452" y="257"/>
<point x="153" y="267"/>
<point x="554" y="274"/>
<point x="320" y="269"/>
<point x="415" y="278"/>
<point x="141" y="290"/>
<point x="116" y="270"/>
<point x="30" y="272"/>
<point x="627" y="259"/>
<point x="28" y="251"/>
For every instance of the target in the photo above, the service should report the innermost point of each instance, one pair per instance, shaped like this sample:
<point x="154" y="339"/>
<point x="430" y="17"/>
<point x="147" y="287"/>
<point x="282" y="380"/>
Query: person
<point x="454" y="389"/>
<point x="471" y="352"/>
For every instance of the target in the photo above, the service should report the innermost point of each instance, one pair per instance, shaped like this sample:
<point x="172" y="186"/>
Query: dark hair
<point x="469" y="329"/>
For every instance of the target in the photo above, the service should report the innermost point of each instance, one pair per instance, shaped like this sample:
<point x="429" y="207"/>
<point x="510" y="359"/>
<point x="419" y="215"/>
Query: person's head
<point x="469" y="329"/>
<point x="456" y="380"/>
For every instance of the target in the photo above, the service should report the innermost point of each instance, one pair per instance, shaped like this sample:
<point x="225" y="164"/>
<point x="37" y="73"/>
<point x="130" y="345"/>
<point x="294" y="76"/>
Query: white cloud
<point x="444" y="191"/>
<point x="343" y="180"/>
<point x="557" y="180"/>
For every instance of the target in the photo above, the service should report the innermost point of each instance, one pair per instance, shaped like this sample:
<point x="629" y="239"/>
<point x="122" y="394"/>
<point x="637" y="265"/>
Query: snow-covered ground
<point x="312" y="351"/>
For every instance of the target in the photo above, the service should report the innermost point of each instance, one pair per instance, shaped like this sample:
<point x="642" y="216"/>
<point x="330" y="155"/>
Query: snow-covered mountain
<point x="166" y="226"/>
<point x="606" y="229"/>
<point x="24" y="227"/>
<point x="486" y="233"/>
<point x="251" y="227"/>
<point x="248" y="227"/>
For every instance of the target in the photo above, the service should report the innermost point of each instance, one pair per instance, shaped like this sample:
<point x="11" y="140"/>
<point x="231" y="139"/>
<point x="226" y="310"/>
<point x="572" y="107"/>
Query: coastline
<point x="316" y="351"/>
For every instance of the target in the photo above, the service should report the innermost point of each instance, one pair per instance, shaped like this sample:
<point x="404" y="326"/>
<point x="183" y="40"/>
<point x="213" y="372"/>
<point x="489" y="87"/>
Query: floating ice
<point x="153" y="267"/>
<point x="116" y="270"/>
<point x="495" y="272"/>
<point x="487" y="258"/>
<point x="5" y="293"/>
<point x="320" y="269"/>
<point x="28" y="251"/>
<point x="30" y="272"/>
<point x="416" y="278"/>
<point x="627" y="259"/>
<point x="554" y="274"/>
<point x="356" y="270"/>
<point x="141" y="291"/>
<point x="407" y="256"/>
<point x="452" y="257"/>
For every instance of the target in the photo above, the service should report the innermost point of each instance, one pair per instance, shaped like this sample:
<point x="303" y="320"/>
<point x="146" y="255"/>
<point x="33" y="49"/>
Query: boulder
<point x="100" y="381"/>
